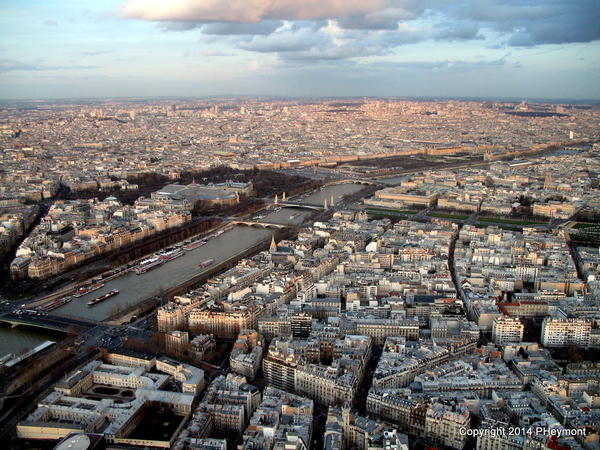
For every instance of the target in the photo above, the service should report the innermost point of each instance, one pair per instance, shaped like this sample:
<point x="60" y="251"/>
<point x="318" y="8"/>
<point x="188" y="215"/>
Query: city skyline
<point x="300" y="224"/>
<point x="487" y="49"/>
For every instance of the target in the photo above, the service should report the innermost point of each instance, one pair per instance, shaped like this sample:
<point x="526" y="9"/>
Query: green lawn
<point x="584" y="233"/>
<point x="502" y="227"/>
<point x="448" y="216"/>
<point x="397" y="211"/>
<point x="588" y="238"/>
<point x="21" y="296"/>
<point x="509" y="221"/>
<point x="580" y="225"/>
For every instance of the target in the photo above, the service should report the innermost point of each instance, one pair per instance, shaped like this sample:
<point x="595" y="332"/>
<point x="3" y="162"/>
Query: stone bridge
<point x="48" y="322"/>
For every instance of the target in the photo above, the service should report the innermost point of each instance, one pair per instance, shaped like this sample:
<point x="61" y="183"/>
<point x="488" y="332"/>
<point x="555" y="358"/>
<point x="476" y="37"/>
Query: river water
<point x="336" y="191"/>
<point x="15" y="340"/>
<point x="287" y="216"/>
<point x="392" y="181"/>
<point x="135" y="288"/>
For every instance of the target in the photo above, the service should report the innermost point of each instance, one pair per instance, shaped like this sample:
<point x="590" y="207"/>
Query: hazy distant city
<point x="300" y="225"/>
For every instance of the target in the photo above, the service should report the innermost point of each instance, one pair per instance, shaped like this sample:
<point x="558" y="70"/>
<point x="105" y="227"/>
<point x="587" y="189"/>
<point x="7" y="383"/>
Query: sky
<point x="529" y="49"/>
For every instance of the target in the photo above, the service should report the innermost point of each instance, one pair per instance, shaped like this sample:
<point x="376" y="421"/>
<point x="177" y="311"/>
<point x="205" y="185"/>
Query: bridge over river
<point x="47" y="321"/>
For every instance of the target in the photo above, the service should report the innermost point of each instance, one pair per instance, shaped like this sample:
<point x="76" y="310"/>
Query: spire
<point x="283" y="197"/>
<point x="273" y="247"/>
<point x="276" y="199"/>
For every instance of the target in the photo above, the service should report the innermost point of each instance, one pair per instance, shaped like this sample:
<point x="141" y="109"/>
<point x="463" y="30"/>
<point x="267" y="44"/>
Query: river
<point x="15" y="340"/>
<point x="336" y="191"/>
<point x="287" y="216"/>
<point x="135" y="288"/>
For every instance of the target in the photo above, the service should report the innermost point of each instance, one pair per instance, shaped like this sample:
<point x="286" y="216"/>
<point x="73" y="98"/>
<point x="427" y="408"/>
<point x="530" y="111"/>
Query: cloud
<point x="384" y="19"/>
<point x="287" y="41"/>
<point x="227" y="28"/>
<point x="463" y="30"/>
<point x="329" y="42"/>
<point x="8" y="65"/>
<point x="448" y="65"/>
<point x="557" y="30"/>
<point x="333" y="42"/>
<point x="489" y="11"/>
<point x="332" y="53"/>
<point x="249" y="11"/>
<point x="340" y="29"/>
<point x="95" y="53"/>
<point x="179" y="26"/>
<point x="368" y="23"/>
<point x="213" y="53"/>
<point x="223" y="28"/>
<point x="537" y="23"/>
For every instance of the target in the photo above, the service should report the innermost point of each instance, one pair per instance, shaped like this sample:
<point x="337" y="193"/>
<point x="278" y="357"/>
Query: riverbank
<point x="136" y="292"/>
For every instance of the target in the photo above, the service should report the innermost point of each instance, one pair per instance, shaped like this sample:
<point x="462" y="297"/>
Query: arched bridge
<point x="299" y="205"/>
<point x="354" y="181"/>
<point x="48" y="322"/>
<point x="251" y="223"/>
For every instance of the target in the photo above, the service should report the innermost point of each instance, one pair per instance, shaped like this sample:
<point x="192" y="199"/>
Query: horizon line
<point x="557" y="100"/>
